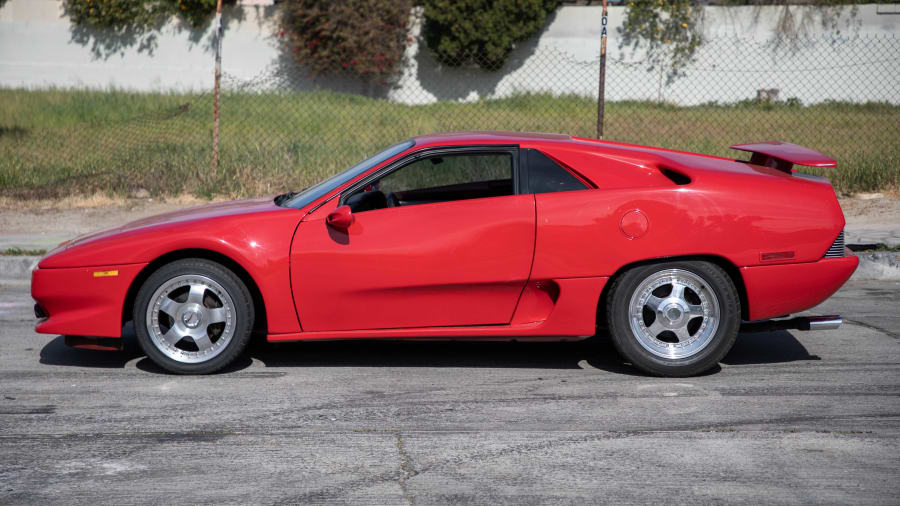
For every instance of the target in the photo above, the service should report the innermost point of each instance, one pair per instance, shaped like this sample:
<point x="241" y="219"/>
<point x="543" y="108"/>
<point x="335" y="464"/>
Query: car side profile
<point x="471" y="235"/>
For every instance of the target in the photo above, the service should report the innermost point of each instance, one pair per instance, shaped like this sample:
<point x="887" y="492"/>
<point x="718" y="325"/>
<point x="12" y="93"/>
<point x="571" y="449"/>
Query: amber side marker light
<point x="105" y="274"/>
<point x="776" y="255"/>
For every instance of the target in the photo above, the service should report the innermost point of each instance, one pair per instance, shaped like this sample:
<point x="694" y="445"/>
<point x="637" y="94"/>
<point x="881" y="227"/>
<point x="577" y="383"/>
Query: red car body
<point x="508" y="267"/>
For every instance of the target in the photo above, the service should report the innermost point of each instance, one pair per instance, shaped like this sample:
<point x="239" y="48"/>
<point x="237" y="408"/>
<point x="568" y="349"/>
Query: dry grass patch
<point x="58" y="143"/>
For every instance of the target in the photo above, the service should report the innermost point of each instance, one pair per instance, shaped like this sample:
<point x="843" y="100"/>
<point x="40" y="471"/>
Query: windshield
<point x="317" y="191"/>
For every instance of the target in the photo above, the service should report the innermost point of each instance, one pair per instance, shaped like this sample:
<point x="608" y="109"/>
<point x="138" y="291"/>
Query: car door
<point x="440" y="239"/>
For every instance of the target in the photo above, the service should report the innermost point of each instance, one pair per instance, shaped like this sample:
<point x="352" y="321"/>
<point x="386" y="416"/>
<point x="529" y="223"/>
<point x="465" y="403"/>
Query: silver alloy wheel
<point x="191" y="318"/>
<point x="674" y="313"/>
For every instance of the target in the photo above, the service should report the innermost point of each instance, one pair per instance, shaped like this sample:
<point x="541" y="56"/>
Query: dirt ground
<point x="869" y="210"/>
<point x="44" y="223"/>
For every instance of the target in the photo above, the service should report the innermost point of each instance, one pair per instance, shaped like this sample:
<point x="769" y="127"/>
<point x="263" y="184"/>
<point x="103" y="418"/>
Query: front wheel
<point x="674" y="318"/>
<point x="193" y="316"/>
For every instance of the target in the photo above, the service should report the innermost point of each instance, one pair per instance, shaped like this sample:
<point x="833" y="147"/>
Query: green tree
<point x="481" y="31"/>
<point x="671" y="31"/>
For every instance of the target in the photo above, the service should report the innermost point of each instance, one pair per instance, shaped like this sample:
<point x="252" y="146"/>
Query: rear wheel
<point x="674" y="318"/>
<point x="193" y="316"/>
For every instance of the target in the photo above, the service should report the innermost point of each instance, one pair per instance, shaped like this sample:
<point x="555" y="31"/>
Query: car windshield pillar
<point x="315" y="192"/>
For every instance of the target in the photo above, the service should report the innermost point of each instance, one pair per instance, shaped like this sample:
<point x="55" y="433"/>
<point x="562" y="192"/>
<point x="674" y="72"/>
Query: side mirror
<point x="340" y="218"/>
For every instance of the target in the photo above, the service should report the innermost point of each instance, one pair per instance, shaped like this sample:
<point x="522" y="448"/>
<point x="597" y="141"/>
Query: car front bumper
<point x="85" y="301"/>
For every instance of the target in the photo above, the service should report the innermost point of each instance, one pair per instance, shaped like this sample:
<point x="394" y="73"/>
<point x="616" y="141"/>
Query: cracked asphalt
<point x="790" y="417"/>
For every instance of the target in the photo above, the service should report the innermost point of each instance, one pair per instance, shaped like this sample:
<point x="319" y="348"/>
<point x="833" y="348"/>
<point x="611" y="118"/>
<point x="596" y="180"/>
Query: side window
<point x="546" y="176"/>
<point x="453" y="170"/>
<point x="440" y="178"/>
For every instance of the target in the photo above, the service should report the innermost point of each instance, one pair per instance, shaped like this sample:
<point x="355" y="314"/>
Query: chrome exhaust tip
<point x="825" y="322"/>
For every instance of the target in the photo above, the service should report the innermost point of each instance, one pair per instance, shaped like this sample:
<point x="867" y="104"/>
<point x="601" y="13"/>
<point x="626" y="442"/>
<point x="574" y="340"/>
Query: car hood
<point x="197" y="227"/>
<point x="190" y="214"/>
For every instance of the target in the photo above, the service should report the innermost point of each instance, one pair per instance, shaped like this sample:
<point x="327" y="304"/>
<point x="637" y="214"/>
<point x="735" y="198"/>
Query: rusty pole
<point x="215" y="158"/>
<point x="601" y="92"/>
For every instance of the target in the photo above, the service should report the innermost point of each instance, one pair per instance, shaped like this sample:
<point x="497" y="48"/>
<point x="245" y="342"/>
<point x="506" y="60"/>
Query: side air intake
<point x="676" y="177"/>
<point x="837" y="247"/>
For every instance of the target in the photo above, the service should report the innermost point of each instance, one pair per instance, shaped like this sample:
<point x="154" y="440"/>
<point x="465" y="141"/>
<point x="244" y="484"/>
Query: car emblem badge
<point x="191" y="319"/>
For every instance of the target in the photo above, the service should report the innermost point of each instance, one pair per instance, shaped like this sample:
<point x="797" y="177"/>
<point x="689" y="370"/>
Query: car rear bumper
<point x="776" y="290"/>
<point x="84" y="301"/>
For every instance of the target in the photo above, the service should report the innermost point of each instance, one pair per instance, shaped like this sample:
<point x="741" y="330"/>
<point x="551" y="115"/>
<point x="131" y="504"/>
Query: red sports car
<point x="474" y="235"/>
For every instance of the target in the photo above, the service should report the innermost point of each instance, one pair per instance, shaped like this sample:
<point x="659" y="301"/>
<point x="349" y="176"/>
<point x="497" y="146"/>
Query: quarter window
<point x="547" y="176"/>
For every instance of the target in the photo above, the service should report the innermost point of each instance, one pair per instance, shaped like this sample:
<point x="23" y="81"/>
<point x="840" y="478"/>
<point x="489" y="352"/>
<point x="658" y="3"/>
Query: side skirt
<point x="568" y="314"/>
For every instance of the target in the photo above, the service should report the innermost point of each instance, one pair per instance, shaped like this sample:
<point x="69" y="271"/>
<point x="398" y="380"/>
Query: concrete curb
<point x="880" y="266"/>
<point x="18" y="268"/>
<point x="883" y="266"/>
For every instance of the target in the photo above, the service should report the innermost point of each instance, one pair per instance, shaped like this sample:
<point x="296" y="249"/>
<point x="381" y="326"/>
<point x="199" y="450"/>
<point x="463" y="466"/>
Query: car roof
<point x="475" y="137"/>
<point x="486" y="137"/>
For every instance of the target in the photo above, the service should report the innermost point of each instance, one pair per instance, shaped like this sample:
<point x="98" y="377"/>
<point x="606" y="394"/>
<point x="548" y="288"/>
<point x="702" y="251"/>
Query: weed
<point x="55" y="143"/>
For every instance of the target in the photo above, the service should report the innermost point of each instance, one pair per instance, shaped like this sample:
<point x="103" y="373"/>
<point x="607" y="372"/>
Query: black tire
<point x="628" y="343"/>
<point x="239" y="326"/>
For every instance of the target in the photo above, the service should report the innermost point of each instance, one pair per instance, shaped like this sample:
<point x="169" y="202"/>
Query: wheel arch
<point x="214" y="256"/>
<point x="732" y="270"/>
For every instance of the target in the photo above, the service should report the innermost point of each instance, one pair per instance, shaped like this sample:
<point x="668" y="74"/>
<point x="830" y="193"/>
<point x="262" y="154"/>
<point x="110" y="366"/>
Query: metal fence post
<point x="601" y="92"/>
<point x="215" y="156"/>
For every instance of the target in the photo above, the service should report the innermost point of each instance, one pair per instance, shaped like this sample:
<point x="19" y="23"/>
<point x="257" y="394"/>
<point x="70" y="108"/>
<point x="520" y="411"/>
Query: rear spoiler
<point x="783" y="155"/>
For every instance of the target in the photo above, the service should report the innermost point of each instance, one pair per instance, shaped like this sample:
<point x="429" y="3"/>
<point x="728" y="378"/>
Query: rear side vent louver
<point x="837" y="247"/>
<point x="676" y="177"/>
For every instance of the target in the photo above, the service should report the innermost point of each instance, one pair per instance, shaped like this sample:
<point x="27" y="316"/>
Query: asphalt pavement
<point x="790" y="417"/>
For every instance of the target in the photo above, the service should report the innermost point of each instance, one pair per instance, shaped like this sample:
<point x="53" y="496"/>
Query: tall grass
<point x="59" y="142"/>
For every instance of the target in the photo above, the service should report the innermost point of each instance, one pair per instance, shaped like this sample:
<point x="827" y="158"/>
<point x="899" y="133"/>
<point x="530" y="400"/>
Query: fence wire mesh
<point x="286" y="129"/>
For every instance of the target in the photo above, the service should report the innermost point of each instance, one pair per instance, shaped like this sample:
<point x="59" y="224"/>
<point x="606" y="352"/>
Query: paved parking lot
<point x="791" y="417"/>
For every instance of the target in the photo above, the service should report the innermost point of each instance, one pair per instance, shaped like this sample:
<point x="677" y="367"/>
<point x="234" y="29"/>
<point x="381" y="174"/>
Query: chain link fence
<point x="286" y="129"/>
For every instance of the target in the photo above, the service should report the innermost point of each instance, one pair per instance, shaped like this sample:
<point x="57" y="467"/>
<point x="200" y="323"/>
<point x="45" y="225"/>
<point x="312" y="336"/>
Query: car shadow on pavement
<point x="592" y="353"/>
<point x="767" y="348"/>
<point x="596" y="352"/>
<point x="57" y="353"/>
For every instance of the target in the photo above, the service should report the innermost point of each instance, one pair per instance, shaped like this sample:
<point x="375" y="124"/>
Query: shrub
<point x="481" y="31"/>
<point x="365" y="38"/>
<point x="128" y="14"/>
<point x="196" y="11"/>
<point x="115" y="14"/>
